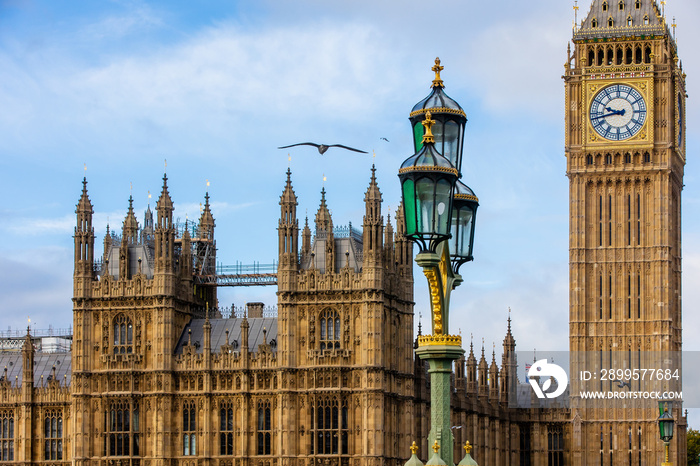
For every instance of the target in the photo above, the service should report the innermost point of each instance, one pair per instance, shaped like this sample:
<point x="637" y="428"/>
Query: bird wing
<point x="301" y="144"/>
<point x="348" y="148"/>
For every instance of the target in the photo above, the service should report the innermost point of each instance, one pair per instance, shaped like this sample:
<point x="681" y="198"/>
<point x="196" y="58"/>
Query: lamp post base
<point x="440" y="351"/>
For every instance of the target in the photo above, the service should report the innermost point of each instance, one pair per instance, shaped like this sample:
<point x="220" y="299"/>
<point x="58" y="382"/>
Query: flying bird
<point x="322" y="148"/>
<point x="384" y="139"/>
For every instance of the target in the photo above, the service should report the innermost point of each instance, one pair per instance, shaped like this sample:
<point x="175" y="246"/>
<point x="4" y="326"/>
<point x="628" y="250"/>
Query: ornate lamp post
<point x="666" y="423"/>
<point x="437" y="208"/>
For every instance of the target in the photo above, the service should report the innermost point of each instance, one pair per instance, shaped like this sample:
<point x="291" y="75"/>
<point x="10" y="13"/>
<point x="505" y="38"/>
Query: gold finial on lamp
<point x="436" y="447"/>
<point x="414" y="448"/>
<point x="468" y="447"/>
<point x="437" y="82"/>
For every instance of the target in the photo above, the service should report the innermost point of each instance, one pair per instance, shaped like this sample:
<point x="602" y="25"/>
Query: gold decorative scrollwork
<point x="435" y="298"/>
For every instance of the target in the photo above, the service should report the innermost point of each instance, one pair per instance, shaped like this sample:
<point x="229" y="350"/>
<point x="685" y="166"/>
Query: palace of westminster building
<point x="157" y="376"/>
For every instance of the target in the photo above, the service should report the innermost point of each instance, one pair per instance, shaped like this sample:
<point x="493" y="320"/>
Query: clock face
<point x="618" y="112"/>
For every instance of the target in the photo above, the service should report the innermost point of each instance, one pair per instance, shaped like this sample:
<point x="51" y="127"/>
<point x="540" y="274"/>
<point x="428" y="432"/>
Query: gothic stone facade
<point x="158" y="376"/>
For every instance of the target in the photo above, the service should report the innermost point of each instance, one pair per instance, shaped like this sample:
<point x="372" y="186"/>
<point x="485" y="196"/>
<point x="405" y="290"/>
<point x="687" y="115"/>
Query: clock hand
<point x="614" y="112"/>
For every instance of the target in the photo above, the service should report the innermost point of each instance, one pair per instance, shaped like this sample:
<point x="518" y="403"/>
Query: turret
<point x="493" y="379"/>
<point x="483" y="376"/>
<point x="148" y="231"/>
<point x="288" y="229"/>
<point x="84" y="234"/>
<point x="84" y="245"/>
<point x="509" y="366"/>
<point x="28" y="366"/>
<point x="186" y="255"/>
<point x="324" y="232"/>
<point x="471" y="371"/>
<point x="206" y="221"/>
<point x="130" y="230"/>
<point x="389" y="252"/>
<point x="306" y="240"/>
<point x="373" y="224"/>
<point x="165" y="231"/>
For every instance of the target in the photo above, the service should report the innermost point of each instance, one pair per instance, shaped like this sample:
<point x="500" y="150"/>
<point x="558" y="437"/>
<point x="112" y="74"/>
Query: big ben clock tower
<point x="625" y="149"/>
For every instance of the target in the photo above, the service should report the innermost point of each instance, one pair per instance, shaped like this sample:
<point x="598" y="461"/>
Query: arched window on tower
<point x="330" y="330"/>
<point x="122" y="426"/>
<point x="329" y="426"/>
<point x="594" y="23"/>
<point x="605" y="6"/>
<point x="628" y="56"/>
<point x="189" y="429"/>
<point x="638" y="4"/>
<point x="264" y="428"/>
<point x="123" y="335"/>
<point x="647" y="54"/>
<point x="629" y="21"/>
<point x="226" y="429"/>
<point x="611" y="22"/>
<point x="7" y="435"/>
<point x="53" y="435"/>
<point x="646" y="20"/>
<point x="621" y="5"/>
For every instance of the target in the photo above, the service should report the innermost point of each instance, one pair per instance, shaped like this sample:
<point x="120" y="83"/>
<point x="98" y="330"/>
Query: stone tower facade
<point x="625" y="149"/>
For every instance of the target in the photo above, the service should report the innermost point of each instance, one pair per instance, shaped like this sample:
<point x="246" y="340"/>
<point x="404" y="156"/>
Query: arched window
<point x="329" y="426"/>
<point x="189" y="429"/>
<point x="611" y="22"/>
<point x="123" y="335"/>
<point x="589" y="159"/>
<point x="621" y="5"/>
<point x="629" y="20"/>
<point x="7" y="435"/>
<point x="594" y="23"/>
<point x="264" y="428"/>
<point x="646" y="20"/>
<point x="226" y="429"/>
<point x="330" y="330"/>
<point x="53" y="435"/>
<point x="122" y="422"/>
<point x="605" y="6"/>
<point x="555" y="445"/>
<point x="638" y="4"/>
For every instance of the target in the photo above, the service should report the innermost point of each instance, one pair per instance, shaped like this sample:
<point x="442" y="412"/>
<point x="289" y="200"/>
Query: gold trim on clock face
<point x="618" y="112"/>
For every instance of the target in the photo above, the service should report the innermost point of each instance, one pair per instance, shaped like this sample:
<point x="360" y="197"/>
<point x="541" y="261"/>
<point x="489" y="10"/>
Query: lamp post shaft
<point x="667" y="461"/>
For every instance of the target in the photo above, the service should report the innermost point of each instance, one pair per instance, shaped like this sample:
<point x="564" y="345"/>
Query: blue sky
<point x="215" y="87"/>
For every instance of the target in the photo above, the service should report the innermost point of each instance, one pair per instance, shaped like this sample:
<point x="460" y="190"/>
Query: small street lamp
<point x="666" y="423"/>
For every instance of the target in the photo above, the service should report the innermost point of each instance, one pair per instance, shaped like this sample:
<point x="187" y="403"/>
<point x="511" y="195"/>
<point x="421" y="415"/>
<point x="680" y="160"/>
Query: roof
<point x="43" y="366"/>
<point x="635" y="10"/>
<point x="233" y="325"/>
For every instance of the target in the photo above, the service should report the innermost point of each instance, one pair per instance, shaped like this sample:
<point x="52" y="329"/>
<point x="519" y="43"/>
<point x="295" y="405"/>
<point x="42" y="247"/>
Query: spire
<point x="508" y="341"/>
<point x="306" y="239"/>
<point x="471" y="370"/>
<point x="28" y="361"/>
<point x="206" y="221"/>
<point x="131" y="225"/>
<point x="373" y="223"/>
<point x="84" y="236"/>
<point x="165" y="231"/>
<point x="288" y="229"/>
<point x="164" y="206"/>
<point x="324" y="223"/>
